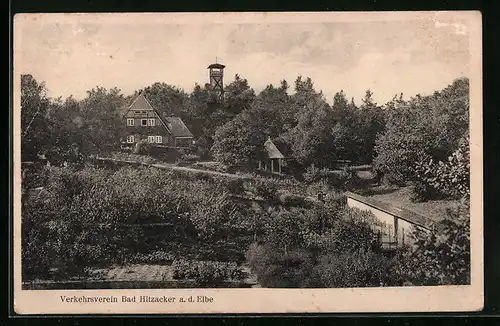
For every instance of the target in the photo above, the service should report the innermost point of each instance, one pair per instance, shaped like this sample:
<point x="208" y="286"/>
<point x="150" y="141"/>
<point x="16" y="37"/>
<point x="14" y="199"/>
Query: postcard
<point x="256" y="163"/>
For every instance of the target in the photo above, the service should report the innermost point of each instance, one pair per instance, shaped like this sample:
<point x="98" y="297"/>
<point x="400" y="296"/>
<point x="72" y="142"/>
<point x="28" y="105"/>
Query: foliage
<point x="324" y="246"/>
<point x="33" y="175"/>
<point x="189" y="158"/>
<point x="155" y="257"/>
<point x="34" y="125"/>
<point x="272" y="106"/>
<point x="444" y="179"/>
<point x="356" y="268"/>
<point x="142" y="147"/>
<point x="264" y="187"/>
<point x="338" y="179"/>
<point x="371" y="120"/>
<point x="235" y="186"/>
<point x="239" y="142"/>
<point x="429" y="126"/>
<point x="206" y="272"/>
<point x="167" y="99"/>
<point x="36" y="250"/>
<point x="239" y="95"/>
<point x="310" y="139"/>
<point x="275" y="269"/>
<point x="87" y="217"/>
<point x="441" y="258"/>
<point x="101" y="120"/>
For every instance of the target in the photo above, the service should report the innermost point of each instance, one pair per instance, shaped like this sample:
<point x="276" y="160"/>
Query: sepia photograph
<point x="247" y="162"/>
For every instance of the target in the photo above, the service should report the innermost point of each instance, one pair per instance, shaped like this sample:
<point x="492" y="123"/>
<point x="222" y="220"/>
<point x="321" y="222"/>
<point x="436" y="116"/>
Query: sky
<point x="386" y="56"/>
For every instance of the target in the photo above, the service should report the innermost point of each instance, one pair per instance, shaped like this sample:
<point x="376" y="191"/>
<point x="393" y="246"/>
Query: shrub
<point x="288" y="200"/>
<point x="338" y="179"/>
<point x="37" y="254"/>
<point x="264" y="187"/>
<point x="283" y="230"/>
<point x="422" y="191"/>
<point x="143" y="147"/>
<point x="275" y="269"/>
<point x="189" y="158"/>
<point x="81" y="214"/>
<point x="33" y="175"/>
<point x="356" y="268"/>
<point x="302" y="247"/>
<point x="206" y="272"/>
<point x="443" y="179"/>
<point x="235" y="186"/>
<point x="155" y="257"/>
<point x="312" y="174"/>
<point x="317" y="188"/>
<point x="440" y="258"/>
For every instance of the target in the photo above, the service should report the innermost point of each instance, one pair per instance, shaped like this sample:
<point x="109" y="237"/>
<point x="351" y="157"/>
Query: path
<point x="166" y="166"/>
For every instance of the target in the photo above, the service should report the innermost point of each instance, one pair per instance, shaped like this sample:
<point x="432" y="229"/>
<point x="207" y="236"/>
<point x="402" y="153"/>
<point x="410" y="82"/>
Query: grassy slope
<point x="401" y="198"/>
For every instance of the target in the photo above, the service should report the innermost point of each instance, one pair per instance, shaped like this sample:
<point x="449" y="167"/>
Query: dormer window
<point x="144" y="122"/>
<point x="130" y="122"/>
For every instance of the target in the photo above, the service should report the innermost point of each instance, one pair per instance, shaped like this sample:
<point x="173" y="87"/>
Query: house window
<point x="159" y="139"/>
<point x="130" y="139"/>
<point x="144" y="122"/>
<point x="151" y="122"/>
<point x="130" y="122"/>
<point x="151" y="139"/>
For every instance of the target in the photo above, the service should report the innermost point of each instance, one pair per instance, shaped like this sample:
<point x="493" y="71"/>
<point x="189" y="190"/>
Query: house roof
<point x="412" y="217"/>
<point x="271" y="150"/>
<point x="141" y="104"/>
<point x="177" y="127"/>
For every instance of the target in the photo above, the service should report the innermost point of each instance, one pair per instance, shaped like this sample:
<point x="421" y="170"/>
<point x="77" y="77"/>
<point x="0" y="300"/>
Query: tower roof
<point x="216" y="65"/>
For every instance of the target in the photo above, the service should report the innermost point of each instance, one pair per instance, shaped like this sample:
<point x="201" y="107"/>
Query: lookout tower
<point x="217" y="79"/>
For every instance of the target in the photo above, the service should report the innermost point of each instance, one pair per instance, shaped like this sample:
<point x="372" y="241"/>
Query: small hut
<point x="272" y="159"/>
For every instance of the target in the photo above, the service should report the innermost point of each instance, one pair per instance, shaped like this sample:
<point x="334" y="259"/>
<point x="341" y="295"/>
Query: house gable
<point x="144" y="122"/>
<point x="142" y="109"/>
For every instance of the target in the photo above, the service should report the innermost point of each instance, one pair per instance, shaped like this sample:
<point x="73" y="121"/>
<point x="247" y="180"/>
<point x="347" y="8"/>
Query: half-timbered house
<point x="144" y="122"/>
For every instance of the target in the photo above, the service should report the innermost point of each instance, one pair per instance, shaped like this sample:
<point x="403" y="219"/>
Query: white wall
<point x="388" y="219"/>
<point x="380" y="215"/>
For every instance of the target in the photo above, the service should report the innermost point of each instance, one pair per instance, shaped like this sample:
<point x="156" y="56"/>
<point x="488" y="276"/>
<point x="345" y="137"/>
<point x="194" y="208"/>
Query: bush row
<point x="206" y="272"/>
<point x="80" y="218"/>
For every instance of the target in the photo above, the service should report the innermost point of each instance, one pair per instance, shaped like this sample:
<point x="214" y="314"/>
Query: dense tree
<point x="239" y="96"/>
<point x="167" y="99"/>
<point x="347" y="139"/>
<point x="240" y="141"/>
<point x="310" y="139"/>
<point x="273" y="106"/>
<point x="421" y="128"/>
<point x="101" y="113"/>
<point x="35" y="128"/>
<point x="372" y="123"/>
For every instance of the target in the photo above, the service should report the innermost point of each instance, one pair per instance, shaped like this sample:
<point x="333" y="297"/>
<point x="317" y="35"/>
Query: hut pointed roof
<point x="271" y="149"/>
